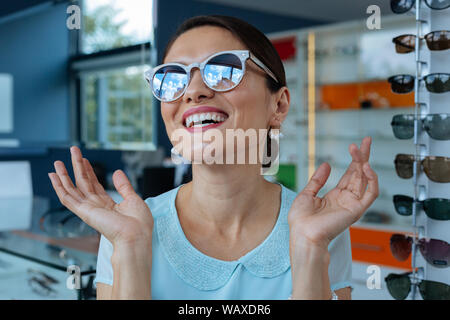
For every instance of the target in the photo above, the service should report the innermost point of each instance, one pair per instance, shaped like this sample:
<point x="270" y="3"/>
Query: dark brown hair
<point x="252" y="38"/>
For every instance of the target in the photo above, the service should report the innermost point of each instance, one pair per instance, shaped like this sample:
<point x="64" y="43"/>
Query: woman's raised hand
<point x="128" y="221"/>
<point x="319" y="220"/>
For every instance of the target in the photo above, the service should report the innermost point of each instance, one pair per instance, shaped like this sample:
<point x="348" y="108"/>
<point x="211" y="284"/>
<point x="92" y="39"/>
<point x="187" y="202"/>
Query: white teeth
<point x="199" y="117"/>
<point x="200" y="125"/>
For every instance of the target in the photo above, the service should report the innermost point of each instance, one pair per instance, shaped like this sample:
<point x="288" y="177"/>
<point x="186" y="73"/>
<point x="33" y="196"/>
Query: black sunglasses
<point x="435" y="40"/>
<point x="436" y="125"/>
<point x="399" y="286"/>
<point x="434" y="82"/>
<point x="402" y="6"/>
<point x="435" y="208"/>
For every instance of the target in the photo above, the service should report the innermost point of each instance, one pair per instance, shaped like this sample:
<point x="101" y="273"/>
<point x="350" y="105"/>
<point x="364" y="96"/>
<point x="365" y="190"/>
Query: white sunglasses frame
<point x="243" y="55"/>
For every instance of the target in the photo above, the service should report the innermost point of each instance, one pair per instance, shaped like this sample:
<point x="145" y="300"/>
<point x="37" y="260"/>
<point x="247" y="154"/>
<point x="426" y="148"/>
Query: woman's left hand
<point x="317" y="221"/>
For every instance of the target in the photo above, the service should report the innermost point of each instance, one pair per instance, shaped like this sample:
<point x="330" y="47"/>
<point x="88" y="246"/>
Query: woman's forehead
<point x="199" y="43"/>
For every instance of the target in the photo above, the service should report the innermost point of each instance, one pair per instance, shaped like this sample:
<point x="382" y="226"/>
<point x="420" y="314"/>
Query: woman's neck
<point x="229" y="197"/>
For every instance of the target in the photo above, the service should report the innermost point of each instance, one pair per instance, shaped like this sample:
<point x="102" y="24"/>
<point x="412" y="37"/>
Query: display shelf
<point x="358" y="80"/>
<point x="427" y="20"/>
<point x="362" y="109"/>
<point x="352" y="138"/>
<point x="397" y="227"/>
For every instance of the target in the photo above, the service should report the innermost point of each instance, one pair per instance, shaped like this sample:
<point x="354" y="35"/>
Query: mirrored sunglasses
<point x="221" y="72"/>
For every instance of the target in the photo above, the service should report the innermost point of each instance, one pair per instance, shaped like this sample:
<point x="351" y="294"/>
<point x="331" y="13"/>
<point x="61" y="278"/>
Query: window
<point x="110" y="24"/>
<point x="117" y="109"/>
<point x="115" y="103"/>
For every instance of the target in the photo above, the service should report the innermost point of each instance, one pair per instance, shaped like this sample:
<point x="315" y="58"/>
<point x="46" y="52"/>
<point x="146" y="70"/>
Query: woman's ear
<point x="282" y="103"/>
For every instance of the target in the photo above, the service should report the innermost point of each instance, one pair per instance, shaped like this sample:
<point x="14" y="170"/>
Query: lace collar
<point x="269" y="259"/>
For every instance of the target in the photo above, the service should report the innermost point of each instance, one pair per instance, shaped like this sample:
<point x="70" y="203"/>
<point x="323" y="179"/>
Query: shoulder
<point x="161" y="204"/>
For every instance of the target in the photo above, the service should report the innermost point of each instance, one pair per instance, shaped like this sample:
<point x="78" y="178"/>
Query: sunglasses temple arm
<point x="162" y="81"/>
<point x="263" y="66"/>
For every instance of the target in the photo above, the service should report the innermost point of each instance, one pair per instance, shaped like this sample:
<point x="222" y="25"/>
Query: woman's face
<point x="249" y="105"/>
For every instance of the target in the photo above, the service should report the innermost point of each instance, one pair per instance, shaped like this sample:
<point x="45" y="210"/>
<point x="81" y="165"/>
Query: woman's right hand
<point x="125" y="222"/>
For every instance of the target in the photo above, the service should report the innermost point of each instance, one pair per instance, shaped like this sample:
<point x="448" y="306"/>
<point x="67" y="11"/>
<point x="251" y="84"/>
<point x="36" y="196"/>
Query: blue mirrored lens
<point x="169" y="83"/>
<point x="223" y="72"/>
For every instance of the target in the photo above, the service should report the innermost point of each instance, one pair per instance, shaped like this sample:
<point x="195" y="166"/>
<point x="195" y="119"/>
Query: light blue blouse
<point x="180" y="271"/>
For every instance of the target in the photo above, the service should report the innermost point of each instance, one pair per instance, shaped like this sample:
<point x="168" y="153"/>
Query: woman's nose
<point x="197" y="90"/>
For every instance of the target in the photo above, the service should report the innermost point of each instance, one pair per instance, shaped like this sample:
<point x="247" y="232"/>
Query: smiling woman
<point x="229" y="233"/>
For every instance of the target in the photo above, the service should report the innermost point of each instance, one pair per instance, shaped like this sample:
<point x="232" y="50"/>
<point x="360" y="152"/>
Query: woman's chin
<point x="208" y="154"/>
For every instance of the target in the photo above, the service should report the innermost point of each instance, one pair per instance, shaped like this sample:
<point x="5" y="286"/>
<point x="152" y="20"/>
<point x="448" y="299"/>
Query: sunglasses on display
<point x="436" y="168"/>
<point x="436" y="125"/>
<point x="402" y="6"/>
<point x="435" y="252"/>
<point x="221" y="72"/>
<point x="435" y="208"/>
<point x="434" y="82"/>
<point x="435" y="40"/>
<point x="399" y="286"/>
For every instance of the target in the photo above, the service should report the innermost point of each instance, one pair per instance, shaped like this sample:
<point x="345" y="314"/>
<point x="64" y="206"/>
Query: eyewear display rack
<point x="427" y="62"/>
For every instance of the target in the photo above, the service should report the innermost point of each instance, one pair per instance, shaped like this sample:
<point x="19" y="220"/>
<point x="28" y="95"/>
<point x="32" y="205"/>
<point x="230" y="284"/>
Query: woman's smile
<point x="203" y="118"/>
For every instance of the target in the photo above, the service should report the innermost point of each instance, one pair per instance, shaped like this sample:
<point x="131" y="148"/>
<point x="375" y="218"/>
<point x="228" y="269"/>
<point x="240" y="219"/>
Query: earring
<point x="174" y="151"/>
<point x="271" y="153"/>
<point x="176" y="157"/>
<point x="275" y="135"/>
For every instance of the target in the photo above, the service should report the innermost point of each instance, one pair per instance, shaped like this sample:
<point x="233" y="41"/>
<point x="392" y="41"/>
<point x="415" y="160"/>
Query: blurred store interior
<point x="62" y="86"/>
